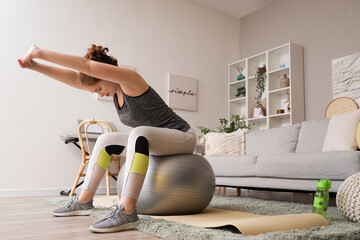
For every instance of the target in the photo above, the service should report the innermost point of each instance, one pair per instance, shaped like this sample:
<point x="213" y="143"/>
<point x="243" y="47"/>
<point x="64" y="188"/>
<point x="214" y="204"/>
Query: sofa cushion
<point x="330" y="165"/>
<point x="341" y="134"/>
<point x="312" y="136"/>
<point x="218" y="144"/>
<point x="272" y="141"/>
<point x="233" y="166"/>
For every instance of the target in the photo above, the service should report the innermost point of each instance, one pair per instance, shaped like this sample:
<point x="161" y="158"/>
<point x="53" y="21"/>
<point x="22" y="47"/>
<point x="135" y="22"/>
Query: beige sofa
<point x="285" y="158"/>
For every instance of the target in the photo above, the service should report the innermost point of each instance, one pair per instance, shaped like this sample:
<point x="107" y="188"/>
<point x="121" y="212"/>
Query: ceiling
<point x="235" y="8"/>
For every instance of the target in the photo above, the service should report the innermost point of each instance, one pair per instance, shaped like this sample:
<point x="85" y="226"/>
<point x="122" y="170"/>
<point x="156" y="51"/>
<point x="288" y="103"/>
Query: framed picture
<point x="182" y="92"/>
<point x="346" y="77"/>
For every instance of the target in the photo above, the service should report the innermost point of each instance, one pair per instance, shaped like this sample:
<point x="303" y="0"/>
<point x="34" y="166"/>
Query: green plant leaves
<point x="236" y="122"/>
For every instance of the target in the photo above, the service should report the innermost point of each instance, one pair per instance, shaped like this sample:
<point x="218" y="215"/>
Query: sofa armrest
<point x="200" y="149"/>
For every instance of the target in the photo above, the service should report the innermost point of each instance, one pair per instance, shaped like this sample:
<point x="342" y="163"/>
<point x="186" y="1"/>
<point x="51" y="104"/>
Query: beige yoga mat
<point x="246" y="223"/>
<point x="249" y="223"/>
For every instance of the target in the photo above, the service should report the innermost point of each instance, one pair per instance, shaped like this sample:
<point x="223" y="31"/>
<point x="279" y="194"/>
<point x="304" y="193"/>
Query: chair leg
<point x="224" y="189"/>
<point x="218" y="190"/>
<point x="81" y="170"/>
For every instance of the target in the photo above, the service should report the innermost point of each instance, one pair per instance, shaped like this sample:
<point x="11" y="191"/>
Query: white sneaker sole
<point x="73" y="213"/>
<point x="128" y="226"/>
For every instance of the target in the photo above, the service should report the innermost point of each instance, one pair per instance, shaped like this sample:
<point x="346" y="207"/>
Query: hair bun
<point x="99" y="54"/>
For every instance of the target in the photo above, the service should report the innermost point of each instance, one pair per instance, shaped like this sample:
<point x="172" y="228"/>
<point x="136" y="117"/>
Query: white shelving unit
<point x="285" y="59"/>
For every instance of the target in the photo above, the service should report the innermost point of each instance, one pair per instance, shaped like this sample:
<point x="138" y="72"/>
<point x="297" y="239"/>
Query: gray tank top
<point x="148" y="109"/>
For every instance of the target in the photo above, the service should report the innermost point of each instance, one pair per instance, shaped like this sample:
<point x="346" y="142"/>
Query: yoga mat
<point x="246" y="223"/>
<point x="249" y="223"/>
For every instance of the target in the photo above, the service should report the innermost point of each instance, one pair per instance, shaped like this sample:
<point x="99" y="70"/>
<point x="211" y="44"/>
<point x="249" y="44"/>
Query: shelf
<point x="276" y="76"/>
<point x="235" y="69"/>
<point x="243" y="81"/>
<point x="233" y="90"/>
<point x="282" y="115"/>
<point x="259" y="123"/>
<point x="257" y="119"/>
<point x="280" y="120"/>
<point x="279" y="57"/>
<point x="280" y="70"/>
<point x="284" y="59"/>
<point x="256" y="61"/>
<point x="280" y="91"/>
<point x="240" y="100"/>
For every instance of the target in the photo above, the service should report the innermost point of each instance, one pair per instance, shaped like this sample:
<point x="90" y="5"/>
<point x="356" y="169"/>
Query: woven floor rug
<point x="339" y="228"/>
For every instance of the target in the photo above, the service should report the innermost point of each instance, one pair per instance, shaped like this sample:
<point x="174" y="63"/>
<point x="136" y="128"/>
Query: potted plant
<point x="236" y="122"/>
<point x="260" y="88"/>
<point x="240" y="92"/>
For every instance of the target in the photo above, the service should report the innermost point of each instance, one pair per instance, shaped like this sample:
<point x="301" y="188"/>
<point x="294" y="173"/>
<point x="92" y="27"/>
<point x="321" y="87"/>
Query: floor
<point x="29" y="217"/>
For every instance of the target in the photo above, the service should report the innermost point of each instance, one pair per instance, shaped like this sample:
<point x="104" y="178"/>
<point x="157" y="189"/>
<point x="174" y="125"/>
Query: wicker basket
<point x="340" y="105"/>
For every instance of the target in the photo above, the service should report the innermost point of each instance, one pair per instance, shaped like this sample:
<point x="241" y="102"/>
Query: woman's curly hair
<point x="99" y="54"/>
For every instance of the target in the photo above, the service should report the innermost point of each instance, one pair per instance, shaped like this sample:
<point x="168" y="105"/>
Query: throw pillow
<point x="341" y="133"/>
<point x="218" y="144"/>
<point x="312" y="136"/>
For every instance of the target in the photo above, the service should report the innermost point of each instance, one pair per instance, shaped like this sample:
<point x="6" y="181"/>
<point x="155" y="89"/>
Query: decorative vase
<point x="263" y="106"/>
<point x="258" y="112"/>
<point x="284" y="81"/>
<point x="240" y="77"/>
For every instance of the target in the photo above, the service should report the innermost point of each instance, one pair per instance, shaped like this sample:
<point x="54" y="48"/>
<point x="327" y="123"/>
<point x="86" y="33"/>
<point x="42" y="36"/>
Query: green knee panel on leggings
<point x="105" y="155"/>
<point x="140" y="163"/>
<point x="103" y="159"/>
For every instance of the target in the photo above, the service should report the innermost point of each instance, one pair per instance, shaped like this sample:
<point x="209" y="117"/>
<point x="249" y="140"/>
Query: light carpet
<point x="339" y="228"/>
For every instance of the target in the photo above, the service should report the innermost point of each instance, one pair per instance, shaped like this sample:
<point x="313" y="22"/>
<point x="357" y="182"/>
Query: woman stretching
<point x="156" y="128"/>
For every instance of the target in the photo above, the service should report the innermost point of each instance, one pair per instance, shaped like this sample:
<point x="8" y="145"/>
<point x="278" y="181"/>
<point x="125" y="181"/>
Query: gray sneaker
<point x="74" y="208"/>
<point x="116" y="221"/>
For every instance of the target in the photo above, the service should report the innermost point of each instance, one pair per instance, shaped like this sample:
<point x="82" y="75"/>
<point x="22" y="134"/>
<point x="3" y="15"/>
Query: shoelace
<point x="72" y="200"/>
<point x="116" y="212"/>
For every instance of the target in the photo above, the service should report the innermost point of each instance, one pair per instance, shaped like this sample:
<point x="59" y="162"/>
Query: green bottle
<point x="321" y="199"/>
<point x="328" y="182"/>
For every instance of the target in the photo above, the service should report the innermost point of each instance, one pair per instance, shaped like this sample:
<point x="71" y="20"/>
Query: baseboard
<point x="45" y="192"/>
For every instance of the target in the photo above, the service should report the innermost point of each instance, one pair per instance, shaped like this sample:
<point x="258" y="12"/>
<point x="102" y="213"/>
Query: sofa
<point x="289" y="158"/>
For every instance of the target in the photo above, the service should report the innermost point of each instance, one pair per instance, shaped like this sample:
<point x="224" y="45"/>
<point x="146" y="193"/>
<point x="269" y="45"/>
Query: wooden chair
<point x="86" y="152"/>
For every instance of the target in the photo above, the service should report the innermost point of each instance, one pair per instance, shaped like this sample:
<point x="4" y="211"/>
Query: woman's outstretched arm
<point x="69" y="77"/>
<point x="120" y="75"/>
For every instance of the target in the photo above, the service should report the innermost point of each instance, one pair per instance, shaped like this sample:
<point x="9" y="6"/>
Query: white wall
<point x="327" y="29"/>
<point x="154" y="36"/>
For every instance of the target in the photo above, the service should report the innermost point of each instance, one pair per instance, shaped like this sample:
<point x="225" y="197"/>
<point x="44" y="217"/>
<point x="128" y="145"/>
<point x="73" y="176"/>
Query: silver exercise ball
<point x="174" y="184"/>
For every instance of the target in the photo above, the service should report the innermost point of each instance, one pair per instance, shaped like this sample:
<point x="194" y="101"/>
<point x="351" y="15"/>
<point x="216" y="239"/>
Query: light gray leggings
<point x="158" y="141"/>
